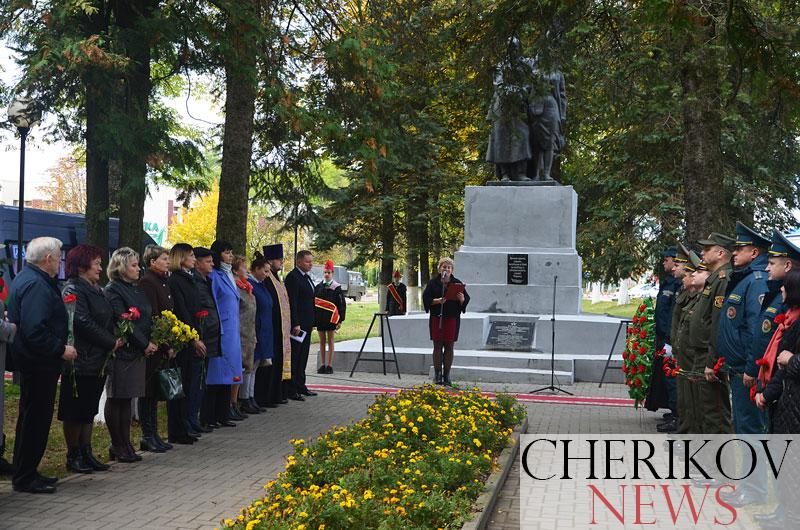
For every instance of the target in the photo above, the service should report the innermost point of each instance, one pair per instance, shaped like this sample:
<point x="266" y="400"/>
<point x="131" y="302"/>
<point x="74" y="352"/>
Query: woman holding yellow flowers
<point x="154" y="285"/>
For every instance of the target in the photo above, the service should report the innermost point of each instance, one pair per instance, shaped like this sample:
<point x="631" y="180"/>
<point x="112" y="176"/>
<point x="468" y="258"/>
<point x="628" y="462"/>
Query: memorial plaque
<point x="511" y="336"/>
<point x="517" y="269"/>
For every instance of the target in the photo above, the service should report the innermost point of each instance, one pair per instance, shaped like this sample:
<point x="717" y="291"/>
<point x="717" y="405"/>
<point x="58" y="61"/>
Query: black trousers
<point x="178" y="409"/>
<point x="36" y="401"/>
<point x="262" y="387"/>
<point x="216" y="404"/>
<point x="299" y="363"/>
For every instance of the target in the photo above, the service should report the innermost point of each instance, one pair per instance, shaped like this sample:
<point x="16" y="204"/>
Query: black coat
<point x="93" y="326"/>
<point x="211" y="327"/>
<point x="185" y="297"/>
<point x="301" y="299"/>
<point x="123" y="295"/>
<point x="36" y="307"/>
<point x="392" y="306"/>
<point x="435" y="289"/>
<point x="322" y="319"/>
<point x="786" y="412"/>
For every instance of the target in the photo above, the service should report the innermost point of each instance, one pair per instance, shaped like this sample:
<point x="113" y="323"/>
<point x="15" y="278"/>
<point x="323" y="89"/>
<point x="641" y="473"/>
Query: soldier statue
<point x="528" y="113"/>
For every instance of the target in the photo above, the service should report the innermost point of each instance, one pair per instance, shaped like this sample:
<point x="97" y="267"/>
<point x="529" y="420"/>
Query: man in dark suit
<point x="300" y="288"/>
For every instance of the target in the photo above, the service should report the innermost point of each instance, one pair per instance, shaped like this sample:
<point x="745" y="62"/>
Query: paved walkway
<point x="195" y="486"/>
<point x="566" y="419"/>
<point x="190" y="486"/>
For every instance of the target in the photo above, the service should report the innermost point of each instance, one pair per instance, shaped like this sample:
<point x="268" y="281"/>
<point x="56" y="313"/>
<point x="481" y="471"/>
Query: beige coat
<point x="247" y="328"/>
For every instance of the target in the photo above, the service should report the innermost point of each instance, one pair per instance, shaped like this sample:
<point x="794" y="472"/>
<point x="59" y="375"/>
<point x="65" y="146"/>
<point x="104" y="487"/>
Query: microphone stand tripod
<point x="552" y="387"/>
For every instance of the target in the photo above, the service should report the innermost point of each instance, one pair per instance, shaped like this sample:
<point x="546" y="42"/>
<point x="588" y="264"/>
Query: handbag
<point x="170" y="386"/>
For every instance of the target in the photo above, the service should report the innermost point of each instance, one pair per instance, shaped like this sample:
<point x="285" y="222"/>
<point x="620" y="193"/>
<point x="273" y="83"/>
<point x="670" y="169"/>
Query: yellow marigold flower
<point x="476" y="442"/>
<point x="368" y="495"/>
<point x="302" y="514"/>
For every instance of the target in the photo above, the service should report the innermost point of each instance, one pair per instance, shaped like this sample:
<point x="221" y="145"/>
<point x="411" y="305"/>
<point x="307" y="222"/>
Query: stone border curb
<point x="484" y="506"/>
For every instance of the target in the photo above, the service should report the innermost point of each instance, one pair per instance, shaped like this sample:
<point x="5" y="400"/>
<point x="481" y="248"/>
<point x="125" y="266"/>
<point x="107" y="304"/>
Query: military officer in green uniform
<point x="714" y="400"/>
<point x="687" y="263"/>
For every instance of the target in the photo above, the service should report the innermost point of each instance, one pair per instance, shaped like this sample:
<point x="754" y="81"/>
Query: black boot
<point x="88" y="458"/>
<point x="6" y="467"/>
<point x="437" y="378"/>
<point x="147" y="420"/>
<point x="256" y="405"/>
<point x="446" y="379"/>
<point x="164" y="445"/>
<point x="75" y="461"/>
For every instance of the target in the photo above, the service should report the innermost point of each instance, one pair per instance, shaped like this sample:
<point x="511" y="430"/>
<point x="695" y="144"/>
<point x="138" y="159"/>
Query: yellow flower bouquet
<point x="169" y="331"/>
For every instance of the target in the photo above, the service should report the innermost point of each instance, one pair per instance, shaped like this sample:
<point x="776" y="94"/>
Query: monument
<point x="519" y="257"/>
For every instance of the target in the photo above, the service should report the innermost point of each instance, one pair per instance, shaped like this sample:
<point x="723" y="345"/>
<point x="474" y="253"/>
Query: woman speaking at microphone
<point x="445" y="302"/>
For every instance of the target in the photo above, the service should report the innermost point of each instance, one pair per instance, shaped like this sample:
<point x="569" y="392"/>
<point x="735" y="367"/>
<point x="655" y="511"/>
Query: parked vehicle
<point x="70" y="228"/>
<point x="352" y="282"/>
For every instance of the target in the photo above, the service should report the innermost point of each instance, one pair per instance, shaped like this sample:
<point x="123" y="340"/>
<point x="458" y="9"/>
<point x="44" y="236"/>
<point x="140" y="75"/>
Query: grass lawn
<point x="611" y="308"/>
<point x="356" y="322"/>
<point x="56" y="453"/>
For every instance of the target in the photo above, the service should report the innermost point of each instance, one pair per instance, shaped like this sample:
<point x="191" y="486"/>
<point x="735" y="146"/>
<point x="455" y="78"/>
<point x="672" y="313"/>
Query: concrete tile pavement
<point x="193" y="487"/>
<point x="190" y="486"/>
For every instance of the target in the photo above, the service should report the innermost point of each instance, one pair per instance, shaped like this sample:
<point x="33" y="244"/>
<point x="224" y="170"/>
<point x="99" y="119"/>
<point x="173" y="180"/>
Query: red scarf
<point x="767" y="362"/>
<point x="244" y="284"/>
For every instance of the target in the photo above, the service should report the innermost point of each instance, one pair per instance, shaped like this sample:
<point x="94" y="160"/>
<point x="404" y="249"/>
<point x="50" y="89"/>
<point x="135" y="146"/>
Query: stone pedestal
<point x="536" y="221"/>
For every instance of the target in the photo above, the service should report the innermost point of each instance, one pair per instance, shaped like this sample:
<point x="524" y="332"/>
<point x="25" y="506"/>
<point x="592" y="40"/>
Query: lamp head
<point x="22" y="113"/>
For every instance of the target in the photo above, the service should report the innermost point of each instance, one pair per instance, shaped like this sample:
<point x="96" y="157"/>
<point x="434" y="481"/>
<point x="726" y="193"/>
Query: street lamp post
<point x="22" y="114"/>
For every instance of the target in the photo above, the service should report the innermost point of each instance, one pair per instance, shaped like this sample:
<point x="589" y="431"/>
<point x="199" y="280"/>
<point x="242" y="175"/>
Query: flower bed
<point x="418" y="460"/>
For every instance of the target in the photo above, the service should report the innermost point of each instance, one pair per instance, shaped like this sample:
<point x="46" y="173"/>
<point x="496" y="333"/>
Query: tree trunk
<point x="413" y="240"/>
<point x="97" y="202"/>
<point x="424" y="255"/>
<point x="435" y="238"/>
<point x="704" y="196"/>
<point x="387" y="256"/>
<point x="131" y="17"/>
<point x="237" y="143"/>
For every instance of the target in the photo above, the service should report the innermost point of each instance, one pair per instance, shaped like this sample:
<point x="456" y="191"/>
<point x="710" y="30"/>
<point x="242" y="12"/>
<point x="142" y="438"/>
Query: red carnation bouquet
<point x="70" y="301"/>
<point x="637" y="360"/>
<point x="673" y="369"/>
<point x="123" y="330"/>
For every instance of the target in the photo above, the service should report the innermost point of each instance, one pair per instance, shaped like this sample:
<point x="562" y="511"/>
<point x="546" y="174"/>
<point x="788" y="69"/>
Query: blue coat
<point x="747" y="289"/>
<point x="226" y="369"/>
<point x="264" y="336"/>
<point x="765" y="325"/>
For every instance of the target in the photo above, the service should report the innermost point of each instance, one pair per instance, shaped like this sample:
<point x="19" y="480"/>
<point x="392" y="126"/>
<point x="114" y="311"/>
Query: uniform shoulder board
<point x="707" y="291"/>
<point x="758" y="275"/>
<point x="723" y="274"/>
<point x="773" y="310"/>
<point x="667" y="293"/>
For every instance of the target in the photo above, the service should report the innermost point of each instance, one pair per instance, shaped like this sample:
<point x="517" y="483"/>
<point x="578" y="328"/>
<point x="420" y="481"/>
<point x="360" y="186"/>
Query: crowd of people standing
<point x="737" y="301"/>
<point x="250" y="351"/>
